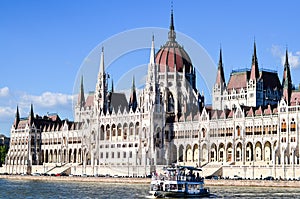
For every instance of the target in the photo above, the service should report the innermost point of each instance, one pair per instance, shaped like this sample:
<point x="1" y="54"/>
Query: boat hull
<point x="174" y="194"/>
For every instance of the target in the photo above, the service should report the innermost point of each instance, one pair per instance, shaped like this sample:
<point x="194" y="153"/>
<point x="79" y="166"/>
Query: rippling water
<point x="42" y="189"/>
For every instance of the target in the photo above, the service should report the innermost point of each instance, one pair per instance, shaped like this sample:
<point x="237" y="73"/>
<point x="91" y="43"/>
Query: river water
<point x="56" y="189"/>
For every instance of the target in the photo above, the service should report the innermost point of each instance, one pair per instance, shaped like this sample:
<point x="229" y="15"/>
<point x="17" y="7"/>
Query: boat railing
<point x="183" y="178"/>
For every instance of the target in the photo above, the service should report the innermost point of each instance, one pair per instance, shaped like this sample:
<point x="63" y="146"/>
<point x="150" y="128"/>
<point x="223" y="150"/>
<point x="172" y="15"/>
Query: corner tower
<point x="219" y="86"/>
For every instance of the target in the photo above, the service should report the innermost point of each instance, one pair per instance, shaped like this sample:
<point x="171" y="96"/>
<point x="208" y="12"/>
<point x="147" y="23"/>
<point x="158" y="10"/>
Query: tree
<point x="3" y="152"/>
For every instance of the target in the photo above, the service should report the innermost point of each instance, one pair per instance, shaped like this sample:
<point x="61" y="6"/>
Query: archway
<point x="229" y="157"/>
<point x="249" y="152"/>
<point x="258" y="151"/>
<point x="180" y="156"/>
<point x="267" y="151"/>
<point x="221" y="152"/>
<point x="189" y="153"/>
<point x="213" y="153"/>
<point x="196" y="153"/>
<point x="239" y="154"/>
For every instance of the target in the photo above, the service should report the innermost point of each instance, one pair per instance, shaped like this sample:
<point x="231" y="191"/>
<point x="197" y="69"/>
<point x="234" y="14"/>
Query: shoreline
<point x="221" y="182"/>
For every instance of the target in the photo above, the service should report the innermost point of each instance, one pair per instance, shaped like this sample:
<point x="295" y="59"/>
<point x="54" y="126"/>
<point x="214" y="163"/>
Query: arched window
<point x="293" y="125"/>
<point x="283" y="126"/>
<point x="203" y="132"/>
<point x="238" y="130"/>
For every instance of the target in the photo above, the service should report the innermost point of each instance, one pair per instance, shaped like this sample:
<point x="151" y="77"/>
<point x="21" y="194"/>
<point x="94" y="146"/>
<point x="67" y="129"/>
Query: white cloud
<point x="48" y="99"/>
<point x="6" y="112"/>
<point x="294" y="57"/>
<point x="4" y="92"/>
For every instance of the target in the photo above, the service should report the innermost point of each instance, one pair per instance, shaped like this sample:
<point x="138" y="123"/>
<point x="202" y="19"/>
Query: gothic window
<point x="238" y="129"/>
<point x="293" y="125"/>
<point x="283" y="126"/>
<point x="203" y="132"/>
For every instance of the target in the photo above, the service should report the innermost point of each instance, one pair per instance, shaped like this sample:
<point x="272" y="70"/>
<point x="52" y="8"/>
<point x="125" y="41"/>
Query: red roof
<point x="89" y="101"/>
<point x="295" y="98"/>
<point x="172" y="54"/>
<point x="238" y="80"/>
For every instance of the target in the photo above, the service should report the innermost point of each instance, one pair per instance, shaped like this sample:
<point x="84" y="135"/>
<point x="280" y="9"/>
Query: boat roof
<point x="184" y="167"/>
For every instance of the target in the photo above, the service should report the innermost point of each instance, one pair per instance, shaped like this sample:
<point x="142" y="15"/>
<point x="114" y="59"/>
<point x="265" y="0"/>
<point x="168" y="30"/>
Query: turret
<point x="81" y="99"/>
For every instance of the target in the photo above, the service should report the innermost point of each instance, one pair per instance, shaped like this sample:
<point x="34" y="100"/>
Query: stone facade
<point x="252" y="124"/>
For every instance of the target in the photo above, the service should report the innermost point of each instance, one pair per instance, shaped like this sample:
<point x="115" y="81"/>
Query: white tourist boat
<point x="177" y="182"/>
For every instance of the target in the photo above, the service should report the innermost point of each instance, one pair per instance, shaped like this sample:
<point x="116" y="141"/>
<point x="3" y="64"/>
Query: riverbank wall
<point x="221" y="182"/>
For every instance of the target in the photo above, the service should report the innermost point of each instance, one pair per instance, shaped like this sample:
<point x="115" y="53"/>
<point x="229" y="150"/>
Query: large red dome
<point x="172" y="54"/>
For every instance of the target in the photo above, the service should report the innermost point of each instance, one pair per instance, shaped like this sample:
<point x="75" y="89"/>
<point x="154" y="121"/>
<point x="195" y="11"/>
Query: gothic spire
<point x="220" y="75"/>
<point x="172" y="34"/>
<point x="152" y="53"/>
<point x="31" y="116"/>
<point x="287" y="80"/>
<point x="100" y="99"/>
<point x="102" y="61"/>
<point x="17" y="118"/>
<point x="81" y="99"/>
<point x="254" y="69"/>
<point x="133" y="99"/>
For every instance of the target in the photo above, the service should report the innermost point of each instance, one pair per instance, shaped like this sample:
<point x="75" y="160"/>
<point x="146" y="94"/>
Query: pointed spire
<point x="172" y="34"/>
<point x="31" y="116"/>
<point x="152" y="53"/>
<point x="254" y="69"/>
<point x="81" y="99"/>
<point x="220" y="80"/>
<point x="133" y="98"/>
<point x="287" y="80"/>
<point x="100" y="99"/>
<point x="17" y="118"/>
<point x="102" y="61"/>
<point x="286" y="58"/>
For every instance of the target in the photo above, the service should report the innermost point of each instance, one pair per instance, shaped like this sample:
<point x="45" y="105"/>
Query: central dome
<point x="172" y="54"/>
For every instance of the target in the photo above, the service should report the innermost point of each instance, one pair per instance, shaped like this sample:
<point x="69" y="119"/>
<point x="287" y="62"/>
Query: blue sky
<point x="44" y="43"/>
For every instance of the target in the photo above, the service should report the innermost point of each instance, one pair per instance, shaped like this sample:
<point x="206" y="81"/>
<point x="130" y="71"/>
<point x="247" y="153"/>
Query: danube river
<point x="64" y="189"/>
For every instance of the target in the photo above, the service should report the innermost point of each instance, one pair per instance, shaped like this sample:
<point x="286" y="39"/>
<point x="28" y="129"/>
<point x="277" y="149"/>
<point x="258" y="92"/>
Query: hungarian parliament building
<point x="250" y="130"/>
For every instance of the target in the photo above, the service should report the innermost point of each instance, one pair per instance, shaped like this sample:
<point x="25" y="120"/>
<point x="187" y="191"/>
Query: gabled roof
<point x="238" y="79"/>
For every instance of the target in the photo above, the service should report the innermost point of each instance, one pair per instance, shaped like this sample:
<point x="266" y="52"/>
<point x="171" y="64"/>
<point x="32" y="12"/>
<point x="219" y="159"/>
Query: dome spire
<point x="172" y="35"/>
